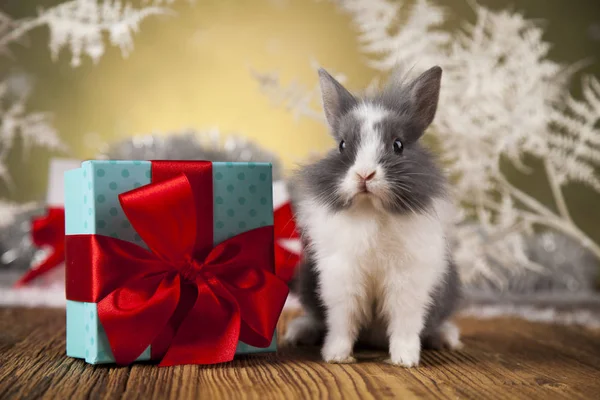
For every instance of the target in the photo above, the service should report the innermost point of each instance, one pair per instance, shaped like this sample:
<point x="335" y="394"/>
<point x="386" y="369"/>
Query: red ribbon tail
<point x="260" y="307"/>
<point x="54" y="260"/>
<point x="47" y="230"/>
<point x="191" y="301"/>
<point x="135" y="314"/>
<point x="285" y="263"/>
<point x="209" y="333"/>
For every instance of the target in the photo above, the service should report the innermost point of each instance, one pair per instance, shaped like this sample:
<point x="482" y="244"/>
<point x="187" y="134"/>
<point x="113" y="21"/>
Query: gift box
<point x="173" y="253"/>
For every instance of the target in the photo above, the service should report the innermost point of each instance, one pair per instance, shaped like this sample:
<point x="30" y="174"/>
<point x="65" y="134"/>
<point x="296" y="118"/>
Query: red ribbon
<point x="48" y="230"/>
<point x="190" y="301"/>
<point x="285" y="228"/>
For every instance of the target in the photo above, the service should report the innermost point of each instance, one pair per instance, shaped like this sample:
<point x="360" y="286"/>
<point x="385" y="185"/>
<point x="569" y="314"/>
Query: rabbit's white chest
<point x="376" y="252"/>
<point x="374" y="240"/>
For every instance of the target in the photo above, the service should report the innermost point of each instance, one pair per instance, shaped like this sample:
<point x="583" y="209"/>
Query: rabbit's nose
<point x="366" y="177"/>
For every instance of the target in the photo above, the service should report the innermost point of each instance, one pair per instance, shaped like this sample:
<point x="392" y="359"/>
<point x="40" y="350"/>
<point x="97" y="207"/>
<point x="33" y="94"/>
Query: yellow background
<point x="192" y="70"/>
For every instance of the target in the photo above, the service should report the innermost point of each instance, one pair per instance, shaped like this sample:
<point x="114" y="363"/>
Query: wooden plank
<point x="33" y="361"/>
<point x="502" y="359"/>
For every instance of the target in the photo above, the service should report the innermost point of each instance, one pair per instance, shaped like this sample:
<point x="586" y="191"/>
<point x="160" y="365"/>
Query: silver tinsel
<point x="568" y="268"/>
<point x="192" y="145"/>
<point x="16" y="248"/>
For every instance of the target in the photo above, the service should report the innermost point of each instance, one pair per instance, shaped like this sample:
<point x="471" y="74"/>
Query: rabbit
<point x="372" y="215"/>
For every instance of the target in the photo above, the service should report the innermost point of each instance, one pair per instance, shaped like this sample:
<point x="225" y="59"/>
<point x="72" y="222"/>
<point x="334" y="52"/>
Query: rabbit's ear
<point x="336" y="99"/>
<point x="424" y="95"/>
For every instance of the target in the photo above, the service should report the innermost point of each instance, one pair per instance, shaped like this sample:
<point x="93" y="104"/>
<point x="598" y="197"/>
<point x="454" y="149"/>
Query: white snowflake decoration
<point x="395" y="33"/>
<point x="33" y="128"/>
<point x="80" y="27"/>
<point x="295" y="97"/>
<point x="574" y="145"/>
<point x="80" y="24"/>
<point x="501" y="99"/>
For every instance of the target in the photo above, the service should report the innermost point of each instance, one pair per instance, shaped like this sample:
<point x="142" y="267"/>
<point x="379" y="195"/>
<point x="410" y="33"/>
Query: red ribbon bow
<point x="190" y="301"/>
<point x="48" y="230"/>
<point x="285" y="228"/>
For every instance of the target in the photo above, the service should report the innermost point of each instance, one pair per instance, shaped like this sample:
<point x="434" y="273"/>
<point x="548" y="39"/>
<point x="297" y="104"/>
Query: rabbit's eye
<point x="342" y="146"/>
<point x="398" y="146"/>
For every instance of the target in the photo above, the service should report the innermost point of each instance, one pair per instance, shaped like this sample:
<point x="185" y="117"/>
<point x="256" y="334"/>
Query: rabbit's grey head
<point x="378" y="158"/>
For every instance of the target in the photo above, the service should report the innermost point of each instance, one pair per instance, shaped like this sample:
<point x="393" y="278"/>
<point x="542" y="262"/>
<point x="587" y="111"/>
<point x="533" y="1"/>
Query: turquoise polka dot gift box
<point x="170" y="261"/>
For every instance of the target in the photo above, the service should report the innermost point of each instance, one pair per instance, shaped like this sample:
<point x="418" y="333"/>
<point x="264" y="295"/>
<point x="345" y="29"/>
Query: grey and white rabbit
<point x="372" y="214"/>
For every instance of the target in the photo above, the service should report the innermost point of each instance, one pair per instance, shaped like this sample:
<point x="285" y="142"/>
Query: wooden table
<point x="503" y="358"/>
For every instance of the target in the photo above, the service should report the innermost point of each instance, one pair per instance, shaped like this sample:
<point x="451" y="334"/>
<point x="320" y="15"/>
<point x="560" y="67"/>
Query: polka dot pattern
<point x="242" y="201"/>
<point x="103" y="182"/>
<point x="97" y="347"/>
<point x="241" y="193"/>
<point x="99" y="211"/>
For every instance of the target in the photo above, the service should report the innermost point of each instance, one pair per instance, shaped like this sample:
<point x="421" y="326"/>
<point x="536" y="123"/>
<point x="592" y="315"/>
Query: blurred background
<point x="246" y="69"/>
<point x="193" y="69"/>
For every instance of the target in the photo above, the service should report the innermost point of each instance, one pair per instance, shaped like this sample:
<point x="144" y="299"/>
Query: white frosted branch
<point x="502" y="98"/>
<point x="569" y="229"/>
<point x="34" y="128"/>
<point x="18" y="30"/>
<point x="555" y="186"/>
<point x="525" y="198"/>
<point x="80" y="24"/>
<point x="297" y="99"/>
